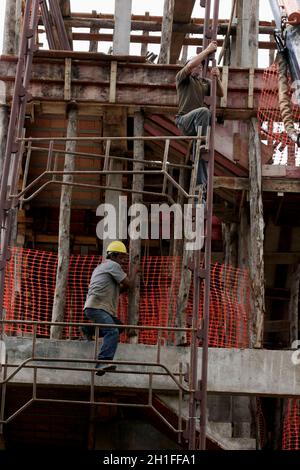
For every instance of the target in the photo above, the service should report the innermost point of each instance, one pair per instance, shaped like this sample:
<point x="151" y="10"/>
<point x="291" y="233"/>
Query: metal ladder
<point x="14" y="150"/>
<point x="202" y="263"/>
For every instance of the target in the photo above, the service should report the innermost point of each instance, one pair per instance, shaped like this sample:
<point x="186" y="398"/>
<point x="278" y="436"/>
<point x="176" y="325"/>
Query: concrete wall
<point x="231" y="371"/>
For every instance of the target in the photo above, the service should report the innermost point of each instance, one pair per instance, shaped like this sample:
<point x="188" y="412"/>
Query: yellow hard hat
<point x="116" y="247"/>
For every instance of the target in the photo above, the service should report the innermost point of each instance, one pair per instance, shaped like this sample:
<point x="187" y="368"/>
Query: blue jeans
<point x="110" y="335"/>
<point x="188" y="124"/>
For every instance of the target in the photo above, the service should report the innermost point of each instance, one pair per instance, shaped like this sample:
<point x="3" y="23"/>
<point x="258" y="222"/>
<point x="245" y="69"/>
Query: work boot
<point x="102" y="368"/>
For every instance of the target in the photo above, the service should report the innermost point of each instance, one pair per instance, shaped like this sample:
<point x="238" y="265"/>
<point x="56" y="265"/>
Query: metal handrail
<point x="31" y="363"/>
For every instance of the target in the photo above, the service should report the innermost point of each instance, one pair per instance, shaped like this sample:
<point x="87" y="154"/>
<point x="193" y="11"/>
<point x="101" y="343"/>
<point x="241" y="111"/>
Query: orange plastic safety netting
<point x="30" y="287"/>
<point x="291" y="426"/>
<point x="271" y="125"/>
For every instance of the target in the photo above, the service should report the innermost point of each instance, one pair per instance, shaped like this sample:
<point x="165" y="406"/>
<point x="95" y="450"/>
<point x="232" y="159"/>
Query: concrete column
<point x="245" y="44"/>
<point x="11" y="38"/>
<point x="122" y="29"/>
<point x="12" y="27"/>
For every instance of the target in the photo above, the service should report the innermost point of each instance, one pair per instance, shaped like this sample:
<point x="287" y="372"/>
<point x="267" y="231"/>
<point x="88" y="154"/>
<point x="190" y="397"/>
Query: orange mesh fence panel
<point x="30" y="287"/>
<point x="269" y="116"/>
<point x="291" y="426"/>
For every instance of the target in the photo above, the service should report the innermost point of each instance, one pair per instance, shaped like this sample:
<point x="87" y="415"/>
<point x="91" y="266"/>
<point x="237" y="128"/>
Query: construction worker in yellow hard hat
<point x="102" y="300"/>
<point x="116" y="247"/>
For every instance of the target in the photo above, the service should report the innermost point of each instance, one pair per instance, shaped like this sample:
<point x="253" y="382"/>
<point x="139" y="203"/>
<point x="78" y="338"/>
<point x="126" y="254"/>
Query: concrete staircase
<point x="219" y="432"/>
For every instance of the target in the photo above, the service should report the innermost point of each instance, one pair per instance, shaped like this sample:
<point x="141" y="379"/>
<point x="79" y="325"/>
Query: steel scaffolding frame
<point x="10" y="198"/>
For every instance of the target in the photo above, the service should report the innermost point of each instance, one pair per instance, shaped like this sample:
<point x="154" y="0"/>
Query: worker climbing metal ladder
<point x="202" y="261"/>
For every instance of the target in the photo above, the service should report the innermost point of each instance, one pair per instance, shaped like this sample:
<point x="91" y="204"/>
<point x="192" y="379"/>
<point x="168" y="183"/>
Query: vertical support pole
<point x="94" y="30"/>
<point x="166" y="33"/>
<point x="271" y="51"/>
<point x="11" y="36"/>
<point x="65" y="7"/>
<point x="15" y="128"/>
<point x="135" y="245"/>
<point x="230" y="238"/>
<point x="115" y="125"/>
<point x="247" y="34"/>
<point x="59" y="302"/>
<point x="144" y="46"/>
<point x="294" y="283"/>
<point x="121" y="40"/>
<point x="11" y="39"/>
<point x="256" y="234"/>
<point x="207" y="254"/>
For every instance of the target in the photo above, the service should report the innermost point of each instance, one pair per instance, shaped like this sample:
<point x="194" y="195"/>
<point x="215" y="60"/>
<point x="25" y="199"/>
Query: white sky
<point x="155" y="7"/>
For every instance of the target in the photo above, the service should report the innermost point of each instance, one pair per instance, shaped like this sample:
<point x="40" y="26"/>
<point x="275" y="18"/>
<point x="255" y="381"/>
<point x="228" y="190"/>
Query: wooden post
<point x="256" y="234"/>
<point x="184" y="55"/>
<point x="65" y="8"/>
<point x="166" y="33"/>
<point x="243" y="241"/>
<point x="135" y="245"/>
<point x="59" y="302"/>
<point x="176" y="251"/>
<point x="185" y="280"/>
<point x="230" y="240"/>
<point x="144" y="46"/>
<point x="272" y="51"/>
<point x="94" y="30"/>
<point x="294" y="283"/>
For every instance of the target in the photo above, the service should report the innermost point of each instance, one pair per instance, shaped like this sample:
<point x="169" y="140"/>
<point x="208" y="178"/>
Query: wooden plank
<point x="153" y="85"/>
<point x="269" y="185"/>
<point x="251" y="88"/>
<point x="225" y="77"/>
<point x="53" y="239"/>
<point x="182" y="14"/>
<point x="113" y="82"/>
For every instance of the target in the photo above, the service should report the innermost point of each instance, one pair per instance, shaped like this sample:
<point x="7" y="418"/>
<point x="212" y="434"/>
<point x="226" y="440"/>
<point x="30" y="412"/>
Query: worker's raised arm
<point x="128" y="282"/>
<point x="215" y="72"/>
<point x="198" y="59"/>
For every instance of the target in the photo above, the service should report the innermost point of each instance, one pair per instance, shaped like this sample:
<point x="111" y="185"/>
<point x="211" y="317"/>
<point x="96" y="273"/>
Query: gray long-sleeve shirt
<point x="104" y="288"/>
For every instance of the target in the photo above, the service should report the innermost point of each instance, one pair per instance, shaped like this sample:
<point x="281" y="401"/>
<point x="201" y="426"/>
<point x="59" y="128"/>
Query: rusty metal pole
<point x="15" y="129"/>
<point x="207" y="257"/>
